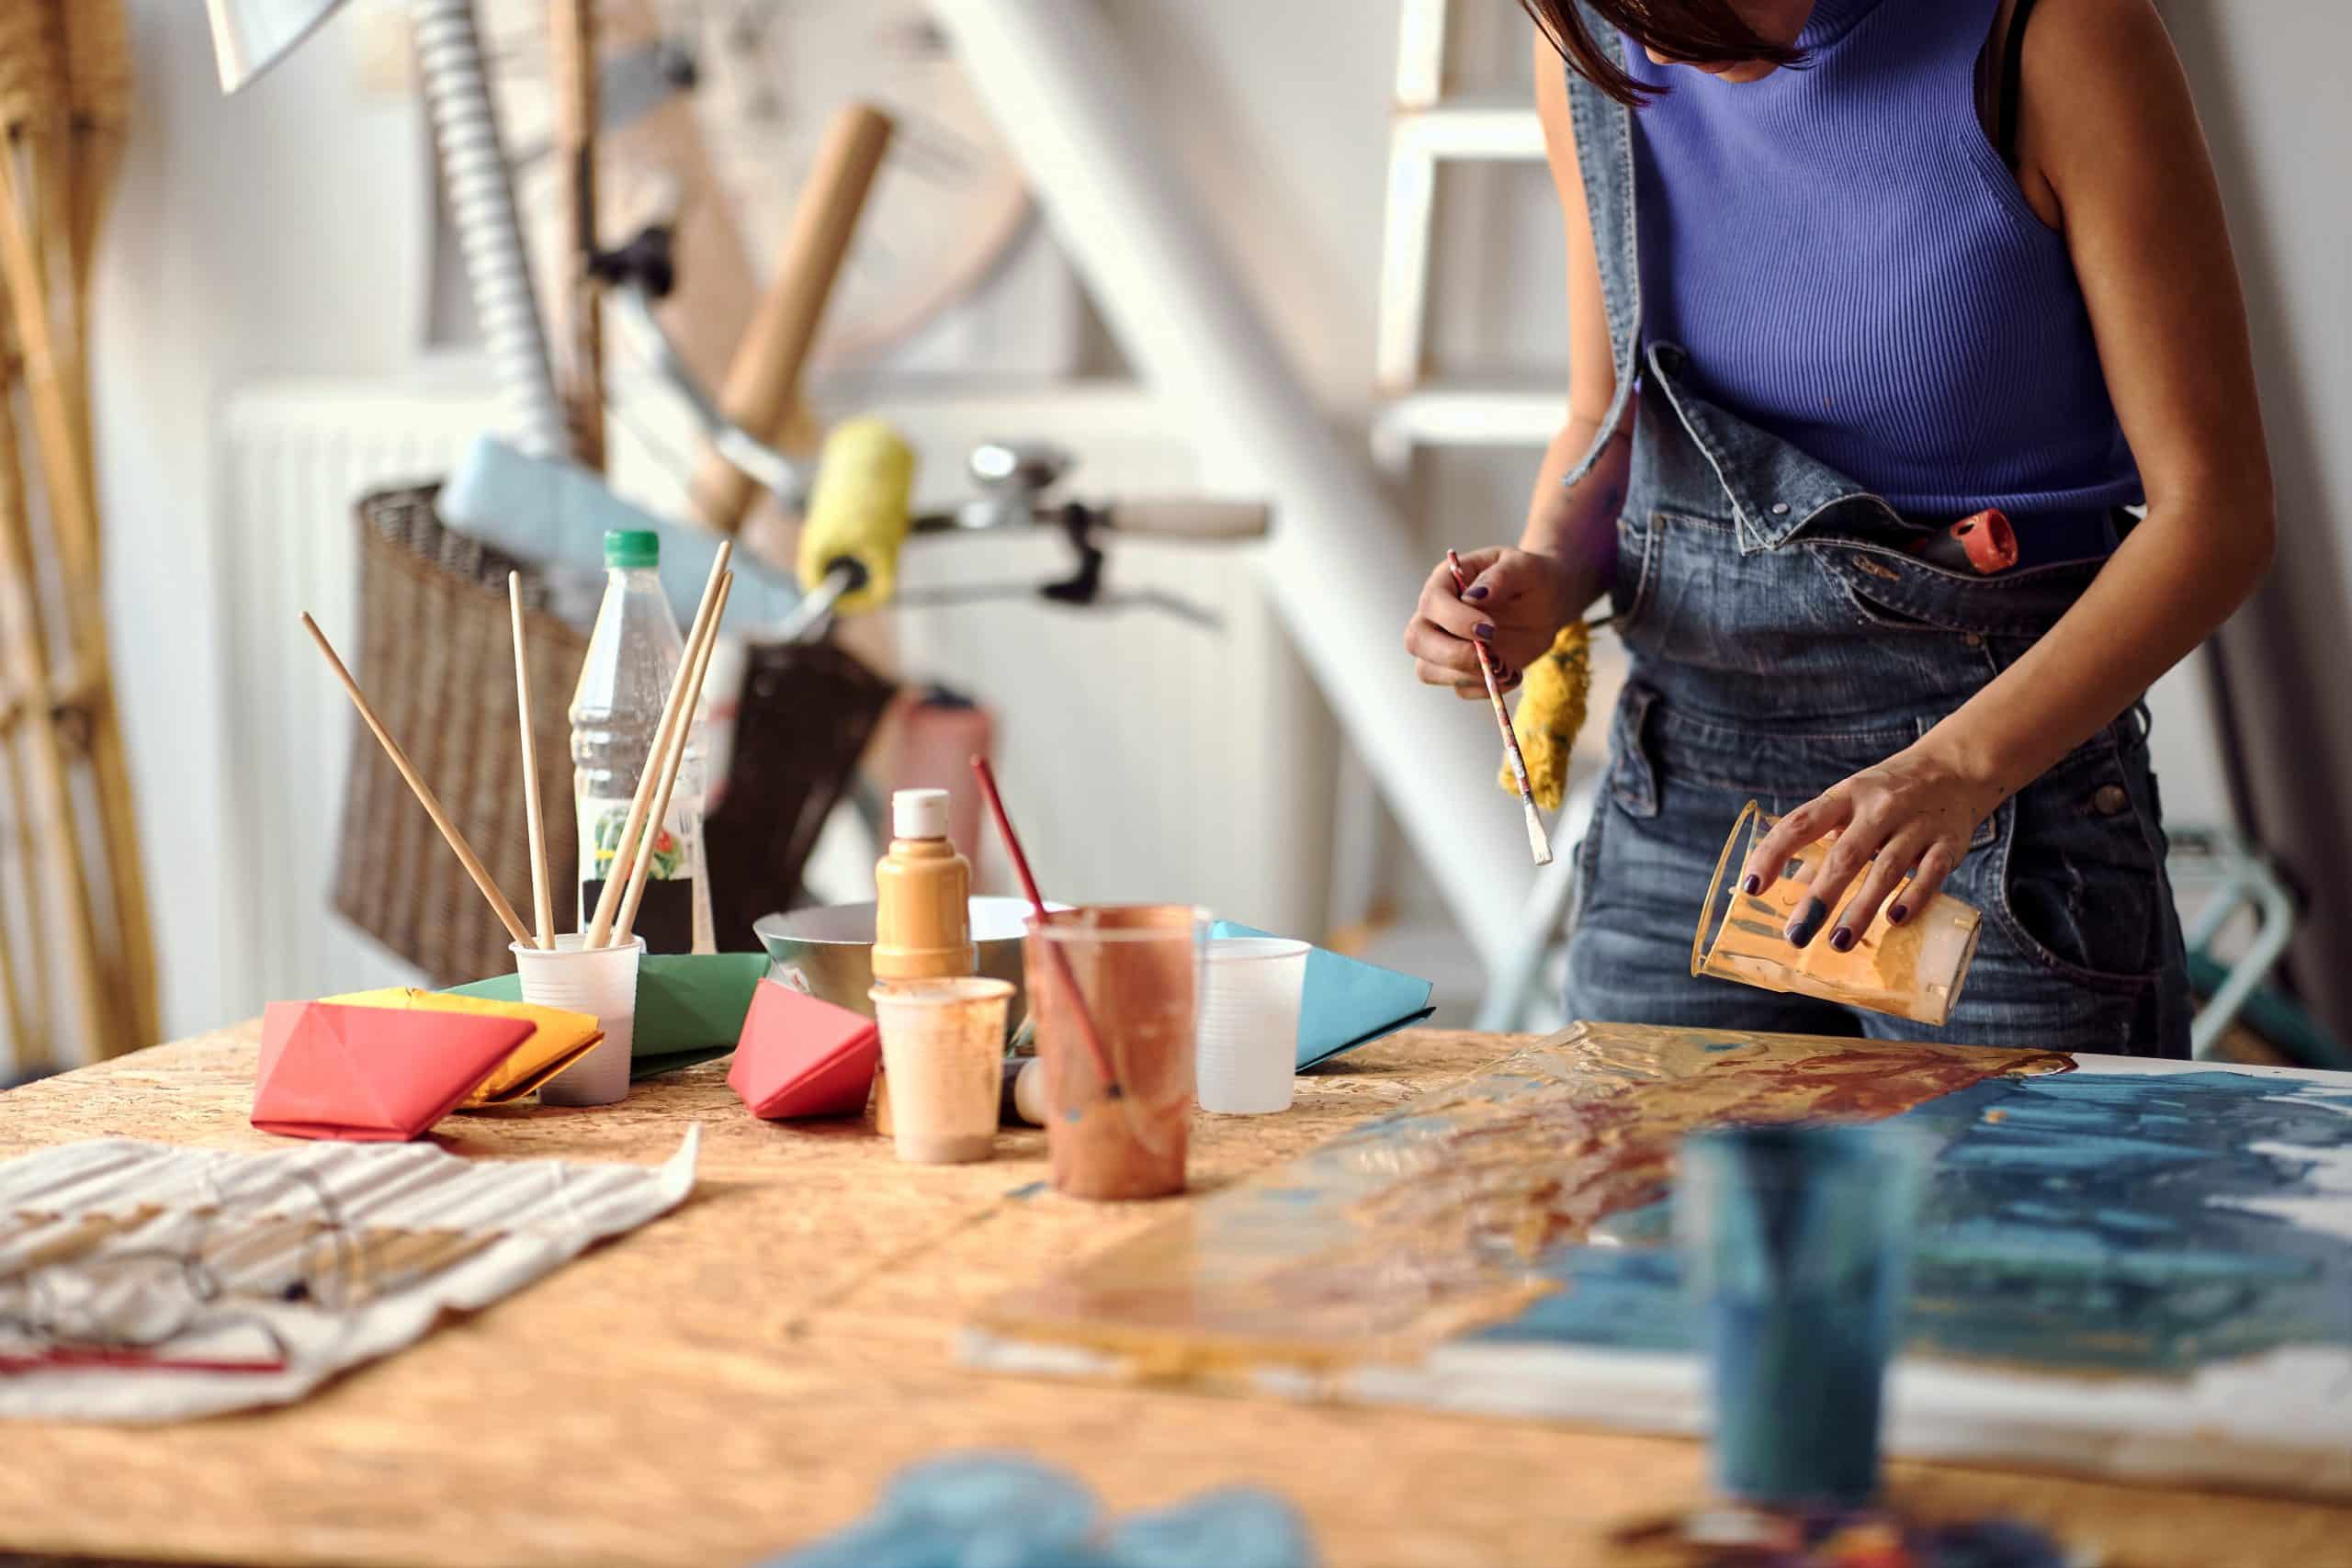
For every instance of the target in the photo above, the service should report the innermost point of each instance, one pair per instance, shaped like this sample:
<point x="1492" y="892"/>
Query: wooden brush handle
<point x="764" y="379"/>
<point x="699" y="658"/>
<point x="424" y="796"/>
<point x="1178" y="519"/>
<point x="600" y="928"/>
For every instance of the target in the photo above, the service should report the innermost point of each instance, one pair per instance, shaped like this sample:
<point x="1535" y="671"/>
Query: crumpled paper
<point x="142" y="1283"/>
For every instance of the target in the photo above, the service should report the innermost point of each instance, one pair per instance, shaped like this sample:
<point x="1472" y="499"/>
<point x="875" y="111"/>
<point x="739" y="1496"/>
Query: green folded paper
<point x="690" y="1006"/>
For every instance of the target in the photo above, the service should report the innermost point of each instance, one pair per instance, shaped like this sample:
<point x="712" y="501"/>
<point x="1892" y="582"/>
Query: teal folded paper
<point x="1347" y="1002"/>
<point x="690" y="1006"/>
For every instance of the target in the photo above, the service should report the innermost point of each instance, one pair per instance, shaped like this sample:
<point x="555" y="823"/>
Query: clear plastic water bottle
<point x="633" y="655"/>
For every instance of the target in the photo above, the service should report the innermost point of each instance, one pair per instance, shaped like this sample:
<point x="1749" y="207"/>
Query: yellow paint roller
<point x="1551" y="711"/>
<point x="859" y="511"/>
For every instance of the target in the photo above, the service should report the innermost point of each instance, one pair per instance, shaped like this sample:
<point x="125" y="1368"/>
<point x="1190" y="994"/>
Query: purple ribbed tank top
<point x="1852" y="267"/>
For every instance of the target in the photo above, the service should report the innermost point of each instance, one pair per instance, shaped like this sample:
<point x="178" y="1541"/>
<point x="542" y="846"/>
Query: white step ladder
<point x="1429" y="132"/>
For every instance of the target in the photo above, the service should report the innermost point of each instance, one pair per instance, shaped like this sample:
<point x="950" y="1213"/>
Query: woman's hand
<point x="1516" y="604"/>
<point x="1912" y="815"/>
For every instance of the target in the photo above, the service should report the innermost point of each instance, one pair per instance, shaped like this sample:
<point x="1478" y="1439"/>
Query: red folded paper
<point x="372" y="1074"/>
<point x="799" y="1056"/>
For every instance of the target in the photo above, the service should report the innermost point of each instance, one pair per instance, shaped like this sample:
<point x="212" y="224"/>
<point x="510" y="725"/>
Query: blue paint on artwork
<point x="2070" y="1221"/>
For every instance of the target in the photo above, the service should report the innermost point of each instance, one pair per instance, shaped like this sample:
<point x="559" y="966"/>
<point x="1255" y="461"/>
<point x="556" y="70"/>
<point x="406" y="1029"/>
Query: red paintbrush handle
<point x="1062" y="972"/>
<point x="987" y="776"/>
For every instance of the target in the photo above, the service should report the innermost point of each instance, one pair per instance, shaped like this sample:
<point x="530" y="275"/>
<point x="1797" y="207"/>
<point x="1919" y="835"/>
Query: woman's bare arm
<point x="2106" y="122"/>
<point x="1568" y="547"/>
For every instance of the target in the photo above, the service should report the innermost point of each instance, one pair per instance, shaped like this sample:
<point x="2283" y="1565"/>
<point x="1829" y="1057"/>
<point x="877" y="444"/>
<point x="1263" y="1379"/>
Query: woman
<point x="1840" y="273"/>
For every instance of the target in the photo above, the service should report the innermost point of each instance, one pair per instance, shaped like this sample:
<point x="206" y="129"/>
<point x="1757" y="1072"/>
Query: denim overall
<point x="1782" y="638"/>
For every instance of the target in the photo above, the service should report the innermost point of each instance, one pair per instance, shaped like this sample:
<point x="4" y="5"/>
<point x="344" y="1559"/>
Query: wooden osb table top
<point x="744" y="1373"/>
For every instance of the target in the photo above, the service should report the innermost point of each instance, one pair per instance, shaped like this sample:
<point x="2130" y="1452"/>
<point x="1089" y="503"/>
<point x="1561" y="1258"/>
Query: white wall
<point x="279" y="233"/>
<point x="266" y="233"/>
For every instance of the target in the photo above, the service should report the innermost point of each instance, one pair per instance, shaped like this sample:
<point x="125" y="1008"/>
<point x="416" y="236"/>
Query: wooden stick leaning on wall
<point x="600" y="928"/>
<point x="542" y="896"/>
<point x="764" y="379"/>
<point x="37" y="206"/>
<point x="571" y="70"/>
<point x="424" y="792"/>
<point x="98" y="88"/>
<point x="29" y="1013"/>
<point x="43" y="806"/>
<point x="682" y="734"/>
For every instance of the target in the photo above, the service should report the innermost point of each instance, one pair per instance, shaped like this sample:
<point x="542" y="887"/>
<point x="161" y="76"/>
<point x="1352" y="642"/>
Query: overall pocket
<point x="2082" y="887"/>
<point x="1631" y="586"/>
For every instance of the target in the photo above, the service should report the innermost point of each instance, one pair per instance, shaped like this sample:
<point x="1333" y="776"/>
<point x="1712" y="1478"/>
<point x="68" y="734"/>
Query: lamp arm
<point x="488" y="232"/>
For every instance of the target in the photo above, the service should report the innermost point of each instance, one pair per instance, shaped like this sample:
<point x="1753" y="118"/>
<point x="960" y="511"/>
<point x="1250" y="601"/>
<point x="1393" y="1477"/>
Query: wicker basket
<point x="436" y="660"/>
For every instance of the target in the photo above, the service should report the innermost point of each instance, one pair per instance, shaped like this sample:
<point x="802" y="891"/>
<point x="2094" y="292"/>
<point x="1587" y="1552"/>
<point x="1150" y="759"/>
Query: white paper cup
<point x="1246" y="1059"/>
<point x="602" y="981"/>
<point x="943" y="1051"/>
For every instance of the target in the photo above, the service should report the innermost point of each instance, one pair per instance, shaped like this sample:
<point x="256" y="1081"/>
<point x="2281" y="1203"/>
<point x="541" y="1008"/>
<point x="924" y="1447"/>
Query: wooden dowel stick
<point x="600" y="929"/>
<point x="424" y="796"/>
<point x="45" y="816"/>
<point x="643" y="865"/>
<point x="542" y="898"/>
<point x="572" y="67"/>
<point x="763" y="377"/>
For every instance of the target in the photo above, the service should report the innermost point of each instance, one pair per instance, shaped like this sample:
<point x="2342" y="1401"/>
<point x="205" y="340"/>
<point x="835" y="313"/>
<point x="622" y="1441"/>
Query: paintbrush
<point x="424" y="792"/>
<point x="987" y="775"/>
<point x="1538" y="842"/>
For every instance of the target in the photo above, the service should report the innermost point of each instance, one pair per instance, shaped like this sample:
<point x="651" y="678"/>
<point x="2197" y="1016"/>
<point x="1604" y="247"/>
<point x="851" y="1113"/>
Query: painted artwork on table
<point x="2122" y="1266"/>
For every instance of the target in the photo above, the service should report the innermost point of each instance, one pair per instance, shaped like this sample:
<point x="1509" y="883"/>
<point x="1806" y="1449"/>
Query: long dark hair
<point x="1680" y="29"/>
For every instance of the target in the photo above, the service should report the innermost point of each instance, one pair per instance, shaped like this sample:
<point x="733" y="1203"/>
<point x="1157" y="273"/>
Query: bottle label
<point x="601" y="822"/>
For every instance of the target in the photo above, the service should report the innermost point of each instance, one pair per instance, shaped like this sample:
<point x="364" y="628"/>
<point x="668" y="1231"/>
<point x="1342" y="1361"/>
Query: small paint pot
<point x="601" y="981"/>
<point x="1136" y="969"/>
<point x="1914" y="970"/>
<point x="1250" y="991"/>
<point x="1796" y="1249"/>
<point x="943" y="1051"/>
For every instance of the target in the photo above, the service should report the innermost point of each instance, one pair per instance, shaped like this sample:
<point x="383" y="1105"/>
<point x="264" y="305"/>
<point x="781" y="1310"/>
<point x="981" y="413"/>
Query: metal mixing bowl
<point x="829" y="953"/>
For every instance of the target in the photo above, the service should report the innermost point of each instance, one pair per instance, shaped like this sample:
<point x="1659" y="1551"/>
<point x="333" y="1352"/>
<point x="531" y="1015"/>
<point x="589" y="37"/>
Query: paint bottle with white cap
<point x="923" y="891"/>
<point x="922" y="909"/>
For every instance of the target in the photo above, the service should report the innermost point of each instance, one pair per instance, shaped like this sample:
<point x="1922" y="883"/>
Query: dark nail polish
<point x="1841" y="941"/>
<point x="1478" y="592"/>
<point x="1898" y="914"/>
<point x="1808" y="923"/>
<point x="1752" y="886"/>
<point x="1483" y="632"/>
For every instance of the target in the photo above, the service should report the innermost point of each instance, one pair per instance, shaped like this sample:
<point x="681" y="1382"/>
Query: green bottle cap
<point x="632" y="546"/>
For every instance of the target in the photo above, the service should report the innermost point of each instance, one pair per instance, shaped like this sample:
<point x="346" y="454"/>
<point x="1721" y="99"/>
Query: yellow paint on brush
<point x="1551" y="711"/>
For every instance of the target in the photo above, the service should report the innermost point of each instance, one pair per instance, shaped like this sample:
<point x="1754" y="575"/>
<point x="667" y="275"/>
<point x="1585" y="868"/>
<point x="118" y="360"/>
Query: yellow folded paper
<point x="557" y="1040"/>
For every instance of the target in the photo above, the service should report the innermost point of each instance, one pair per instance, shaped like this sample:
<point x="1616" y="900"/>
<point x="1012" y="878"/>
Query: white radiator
<point x="298" y="456"/>
<point x="1145" y="758"/>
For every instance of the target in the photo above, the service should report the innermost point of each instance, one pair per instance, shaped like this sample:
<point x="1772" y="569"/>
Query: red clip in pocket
<point x="1990" y="544"/>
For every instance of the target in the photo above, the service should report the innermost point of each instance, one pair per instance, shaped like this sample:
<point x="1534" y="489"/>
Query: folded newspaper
<point x="145" y="1283"/>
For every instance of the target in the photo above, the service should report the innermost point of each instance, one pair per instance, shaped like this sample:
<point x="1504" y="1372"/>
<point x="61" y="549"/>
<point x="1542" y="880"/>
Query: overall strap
<point x="2012" y="73"/>
<point x="1604" y="132"/>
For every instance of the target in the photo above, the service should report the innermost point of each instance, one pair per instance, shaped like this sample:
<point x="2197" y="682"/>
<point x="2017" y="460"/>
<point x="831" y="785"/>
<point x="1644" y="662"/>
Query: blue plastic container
<point x="1796" y="1242"/>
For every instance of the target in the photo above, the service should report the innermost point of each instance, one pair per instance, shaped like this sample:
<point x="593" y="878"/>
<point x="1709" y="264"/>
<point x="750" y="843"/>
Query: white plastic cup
<point x="1246" y="1059"/>
<point x="602" y="981"/>
<point x="943" y="1051"/>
